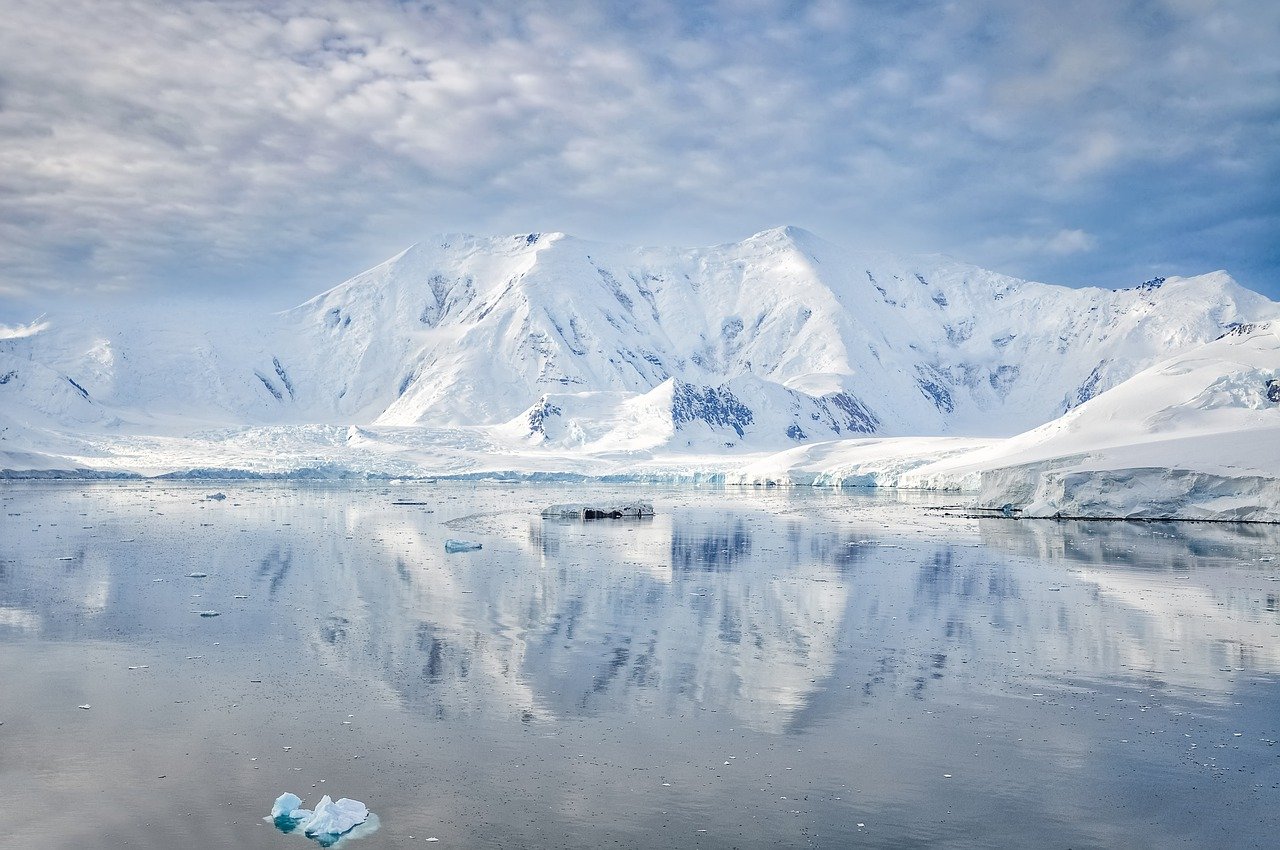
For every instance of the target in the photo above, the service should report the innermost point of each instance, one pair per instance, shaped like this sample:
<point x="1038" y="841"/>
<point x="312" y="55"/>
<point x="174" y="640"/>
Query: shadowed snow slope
<point x="1195" y="437"/>
<point x="545" y="353"/>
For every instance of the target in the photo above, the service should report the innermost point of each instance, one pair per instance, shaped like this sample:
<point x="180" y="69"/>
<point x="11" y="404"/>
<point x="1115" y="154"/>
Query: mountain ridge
<point x="776" y="340"/>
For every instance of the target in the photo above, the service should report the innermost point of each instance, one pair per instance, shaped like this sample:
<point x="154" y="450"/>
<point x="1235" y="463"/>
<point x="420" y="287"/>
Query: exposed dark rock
<point x="716" y="406"/>
<point x="539" y="413"/>
<point x="83" y="392"/>
<point x="936" y="393"/>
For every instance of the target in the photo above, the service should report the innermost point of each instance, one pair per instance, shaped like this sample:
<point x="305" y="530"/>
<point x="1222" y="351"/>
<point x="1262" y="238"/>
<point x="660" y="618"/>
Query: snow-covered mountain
<point x="545" y="340"/>
<point x="778" y="360"/>
<point x="1196" y="436"/>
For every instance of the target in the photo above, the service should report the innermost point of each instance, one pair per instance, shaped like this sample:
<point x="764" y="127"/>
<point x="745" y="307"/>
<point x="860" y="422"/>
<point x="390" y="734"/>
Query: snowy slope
<point x="1197" y="436"/>
<point x="1194" y="437"/>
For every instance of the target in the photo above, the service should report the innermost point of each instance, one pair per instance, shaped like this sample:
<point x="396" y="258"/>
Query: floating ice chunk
<point x="624" y="511"/>
<point x="452" y="546"/>
<point x="329" y="822"/>
<point x="197" y="575"/>
<point x="217" y="497"/>
<point x="286" y="805"/>
<point x="209" y="613"/>
<point x="335" y="818"/>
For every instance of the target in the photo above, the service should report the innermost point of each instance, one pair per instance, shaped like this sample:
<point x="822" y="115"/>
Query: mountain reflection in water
<point x="781" y="614"/>
<point x="736" y="608"/>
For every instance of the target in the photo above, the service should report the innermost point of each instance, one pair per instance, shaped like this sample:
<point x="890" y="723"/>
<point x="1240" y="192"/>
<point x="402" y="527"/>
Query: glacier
<point x="779" y="360"/>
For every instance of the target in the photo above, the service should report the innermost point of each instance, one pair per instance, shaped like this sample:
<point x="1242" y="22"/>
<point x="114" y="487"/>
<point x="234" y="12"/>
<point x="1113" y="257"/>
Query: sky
<point x="270" y="150"/>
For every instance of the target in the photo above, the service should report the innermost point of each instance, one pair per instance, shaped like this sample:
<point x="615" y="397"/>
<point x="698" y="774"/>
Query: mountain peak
<point x="785" y="232"/>
<point x="446" y="241"/>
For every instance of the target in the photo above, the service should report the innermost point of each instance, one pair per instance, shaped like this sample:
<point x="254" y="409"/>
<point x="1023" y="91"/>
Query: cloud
<point x="22" y="331"/>
<point x="1031" y="248"/>
<point x="1066" y="242"/>
<point x="278" y="147"/>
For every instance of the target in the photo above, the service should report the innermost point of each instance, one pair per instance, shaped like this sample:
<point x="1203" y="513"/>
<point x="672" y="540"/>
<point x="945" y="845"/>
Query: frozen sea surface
<point x="749" y="668"/>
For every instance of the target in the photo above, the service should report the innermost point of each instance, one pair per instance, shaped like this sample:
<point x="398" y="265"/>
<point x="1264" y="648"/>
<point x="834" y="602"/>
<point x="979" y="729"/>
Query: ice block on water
<point x="332" y="818"/>
<point x="629" y="510"/>
<point x="329" y="820"/>
<point x="452" y="546"/>
<point x="285" y="806"/>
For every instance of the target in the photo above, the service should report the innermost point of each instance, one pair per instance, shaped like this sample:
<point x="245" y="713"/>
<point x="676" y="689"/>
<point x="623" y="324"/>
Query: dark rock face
<point x="271" y="388"/>
<point x="283" y="375"/>
<point x="1089" y="388"/>
<point x="857" y="417"/>
<point x="1003" y="378"/>
<point x="936" y="393"/>
<point x="83" y="392"/>
<point x="539" y="414"/>
<point x="1241" y="328"/>
<point x="1273" y="390"/>
<point x="716" y="406"/>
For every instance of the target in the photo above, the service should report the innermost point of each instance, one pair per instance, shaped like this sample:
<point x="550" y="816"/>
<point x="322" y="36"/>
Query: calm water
<point x="747" y="669"/>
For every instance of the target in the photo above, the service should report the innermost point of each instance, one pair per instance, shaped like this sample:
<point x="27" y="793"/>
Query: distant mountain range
<point x="774" y="341"/>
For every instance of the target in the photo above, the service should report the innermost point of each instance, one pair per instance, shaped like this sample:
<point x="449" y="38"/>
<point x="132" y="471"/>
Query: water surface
<point x="747" y="669"/>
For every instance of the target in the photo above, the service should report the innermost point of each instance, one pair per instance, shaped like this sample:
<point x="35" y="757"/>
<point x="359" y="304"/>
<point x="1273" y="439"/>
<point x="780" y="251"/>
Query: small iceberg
<point x="630" y="510"/>
<point x="452" y="546"/>
<point x="329" y="822"/>
<point x="217" y="497"/>
<point x="286" y="805"/>
<point x="336" y="818"/>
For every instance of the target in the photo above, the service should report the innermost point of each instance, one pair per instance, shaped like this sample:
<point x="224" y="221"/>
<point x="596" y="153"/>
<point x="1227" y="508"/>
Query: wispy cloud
<point x="235" y="146"/>
<point x="23" y="330"/>
<point x="1066" y="242"/>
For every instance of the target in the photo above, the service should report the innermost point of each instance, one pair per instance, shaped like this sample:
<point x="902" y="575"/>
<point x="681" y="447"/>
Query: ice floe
<point x="574" y="511"/>
<point x="452" y="546"/>
<point x="330" y="821"/>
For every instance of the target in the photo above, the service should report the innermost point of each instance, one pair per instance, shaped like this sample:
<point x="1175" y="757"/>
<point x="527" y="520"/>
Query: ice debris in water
<point x="217" y="497"/>
<point x="197" y="575"/>
<point x="330" y="819"/>
<point x="452" y="546"/>
<point x="624" y="511"/>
